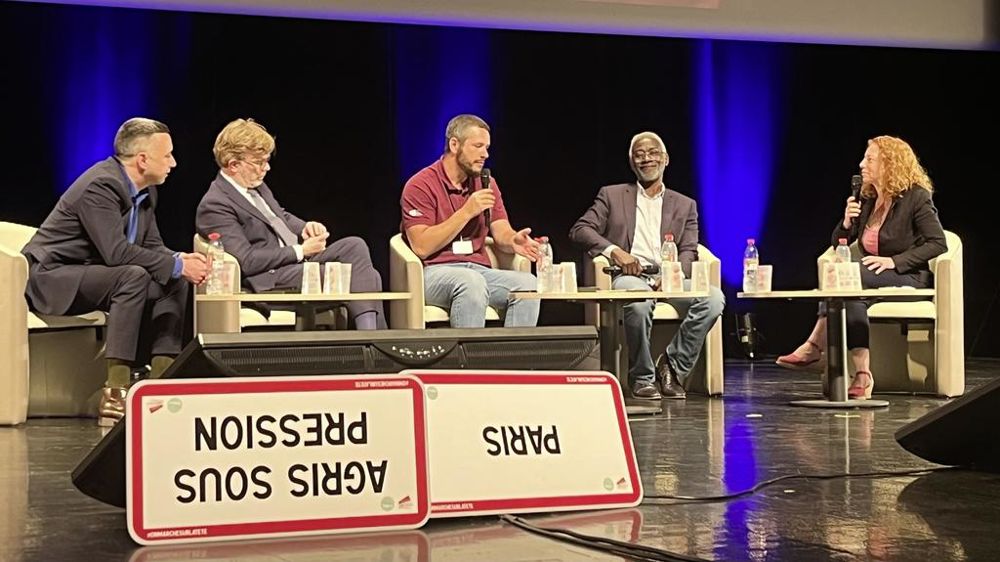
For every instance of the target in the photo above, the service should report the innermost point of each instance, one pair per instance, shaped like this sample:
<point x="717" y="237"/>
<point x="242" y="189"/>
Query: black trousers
<point x="137" y="307"/>
<point x="858" y="329"/>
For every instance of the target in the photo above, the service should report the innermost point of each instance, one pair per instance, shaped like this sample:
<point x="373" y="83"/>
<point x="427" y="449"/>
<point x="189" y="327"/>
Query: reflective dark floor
<point x="698" y="447"/>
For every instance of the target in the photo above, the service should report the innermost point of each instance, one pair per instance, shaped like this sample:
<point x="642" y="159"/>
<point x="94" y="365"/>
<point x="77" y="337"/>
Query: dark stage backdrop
<point x="764" y="135"/>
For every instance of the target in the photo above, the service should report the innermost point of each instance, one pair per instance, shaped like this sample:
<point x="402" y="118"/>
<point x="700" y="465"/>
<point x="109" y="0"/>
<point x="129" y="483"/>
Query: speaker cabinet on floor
<point x="962" y="432"/>
<point x="101" y="474"/>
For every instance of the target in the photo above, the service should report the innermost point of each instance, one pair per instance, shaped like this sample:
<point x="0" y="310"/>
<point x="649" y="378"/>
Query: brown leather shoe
<point x="645" y="391"/>
<point x="670" y="386"/>
<point x="112" y="406"/>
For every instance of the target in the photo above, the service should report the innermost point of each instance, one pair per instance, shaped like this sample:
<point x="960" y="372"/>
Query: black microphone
<point x="617" y="269"/>
<point x="484" y="183"/>
<point x="856" y="193"/>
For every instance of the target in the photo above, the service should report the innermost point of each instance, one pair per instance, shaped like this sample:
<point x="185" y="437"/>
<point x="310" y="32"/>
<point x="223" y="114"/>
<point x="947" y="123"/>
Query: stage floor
<point x="698" y="447"/>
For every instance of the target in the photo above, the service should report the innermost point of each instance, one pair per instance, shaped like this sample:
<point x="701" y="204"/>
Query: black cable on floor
<point x="636" y="551"/>
<point x="625" y="549"/>
<point x="760" y="485"/>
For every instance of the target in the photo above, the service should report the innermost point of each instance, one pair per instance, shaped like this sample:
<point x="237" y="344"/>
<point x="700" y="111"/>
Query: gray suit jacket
<point x="246" y="232"/>
<point x="88" y="227"/>
<point x="611" y="220"/>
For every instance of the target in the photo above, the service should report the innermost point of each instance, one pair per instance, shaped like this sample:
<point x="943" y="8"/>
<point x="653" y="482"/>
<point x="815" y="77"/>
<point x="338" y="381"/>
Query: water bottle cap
<point x="751" y="241"/>
<point x="842" y="241"/>
<point x="669" y="237"/>
<point x="214" y="236"/>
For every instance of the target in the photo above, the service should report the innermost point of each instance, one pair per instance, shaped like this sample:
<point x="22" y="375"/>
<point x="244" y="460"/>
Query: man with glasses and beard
<point x="447" y="214"/>
<point x="627" y="223"/>
<point x="269" y="242"/>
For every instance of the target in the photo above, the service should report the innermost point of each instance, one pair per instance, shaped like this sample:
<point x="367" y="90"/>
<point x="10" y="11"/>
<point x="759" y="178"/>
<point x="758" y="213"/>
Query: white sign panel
<point x="527" y="441"/>
<point x="274" y="457"/>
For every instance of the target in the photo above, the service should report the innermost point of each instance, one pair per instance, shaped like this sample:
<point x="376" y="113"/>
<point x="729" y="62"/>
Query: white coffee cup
<point x="699" y="276"/>
<point x="764" y="274"/>
<point x="310" y="278"/>
<point x="337" y="278"/>
<point x="567" y="277"/>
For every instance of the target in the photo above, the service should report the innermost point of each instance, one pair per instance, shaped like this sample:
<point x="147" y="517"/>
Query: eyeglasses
<point x="652" y="154"/>
<point x="261" y="163"/>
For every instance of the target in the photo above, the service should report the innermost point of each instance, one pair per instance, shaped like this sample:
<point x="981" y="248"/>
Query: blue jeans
<point x="699" y="315"/>
<point x="466" y="289"/>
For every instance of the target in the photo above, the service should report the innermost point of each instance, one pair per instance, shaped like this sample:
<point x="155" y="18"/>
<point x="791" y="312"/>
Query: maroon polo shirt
<point x="429" y="199"/>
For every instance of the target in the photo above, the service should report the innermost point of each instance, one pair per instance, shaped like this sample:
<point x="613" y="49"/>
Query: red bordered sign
<point x="234" y="458"/>
<point x="527" y="441"/>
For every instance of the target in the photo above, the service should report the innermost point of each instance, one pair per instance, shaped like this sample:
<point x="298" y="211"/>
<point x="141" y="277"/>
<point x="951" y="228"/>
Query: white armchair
<point x="406" y="273"/>
<point x="920" y="346"/>
<point x="707" y="376"/>
<point x="65" y="371"/>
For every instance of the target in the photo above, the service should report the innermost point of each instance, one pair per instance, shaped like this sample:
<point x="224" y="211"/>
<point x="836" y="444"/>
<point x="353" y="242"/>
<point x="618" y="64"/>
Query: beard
<point x="650" y="176"/>
<point x="466" y="166"/>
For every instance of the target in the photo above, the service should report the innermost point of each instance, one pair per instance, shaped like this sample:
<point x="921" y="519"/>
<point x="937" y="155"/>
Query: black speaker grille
<point x="293" y="360"/>
<point x="527" y="354"/>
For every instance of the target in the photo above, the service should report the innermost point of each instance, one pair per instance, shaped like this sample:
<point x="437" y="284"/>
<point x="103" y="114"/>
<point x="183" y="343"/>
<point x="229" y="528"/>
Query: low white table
<point x="836" y="336"/>
<point x="611" y="328"/>
<point x="221" y="313"/>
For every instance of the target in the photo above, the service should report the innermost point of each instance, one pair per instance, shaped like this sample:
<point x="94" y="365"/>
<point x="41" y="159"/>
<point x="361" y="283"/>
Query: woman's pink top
<point x="869" y="239"/>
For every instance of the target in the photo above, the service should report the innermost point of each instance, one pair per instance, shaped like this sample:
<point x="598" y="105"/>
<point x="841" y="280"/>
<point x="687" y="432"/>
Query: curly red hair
<point x="900" y="168"/>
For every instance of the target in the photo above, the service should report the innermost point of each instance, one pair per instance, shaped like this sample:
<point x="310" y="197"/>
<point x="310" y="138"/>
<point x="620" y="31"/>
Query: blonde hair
<point x="899" y="168"/>
<point x="239" y="138"/>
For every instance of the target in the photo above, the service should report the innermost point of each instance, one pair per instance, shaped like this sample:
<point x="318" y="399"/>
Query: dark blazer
<point x="246" y="232"/>
<point x="911" y="233"/>
<point x="611" y="220"/>
<point x="88" y="227"/>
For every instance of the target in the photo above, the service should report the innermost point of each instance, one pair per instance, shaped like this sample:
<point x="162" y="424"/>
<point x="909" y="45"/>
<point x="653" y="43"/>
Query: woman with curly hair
<point x="899" y="233"/>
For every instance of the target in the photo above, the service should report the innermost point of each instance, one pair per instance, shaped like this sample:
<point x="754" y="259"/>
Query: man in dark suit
<point x="100" y="249"/>
<point x="627" y="223"/>
<point x="269" y="242"/>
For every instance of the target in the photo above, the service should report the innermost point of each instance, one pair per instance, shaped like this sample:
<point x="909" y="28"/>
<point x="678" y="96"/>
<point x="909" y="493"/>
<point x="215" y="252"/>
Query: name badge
<point x="461" y="247"/>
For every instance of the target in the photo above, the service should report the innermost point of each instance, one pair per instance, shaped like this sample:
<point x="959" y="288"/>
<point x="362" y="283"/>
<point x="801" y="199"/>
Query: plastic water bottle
<point x="216" y="282"/>
<point x="544" y="266"/>
<point x="668" y="251"/>
<point x="668" y="254"/>
<point x="751" y="259"/>
<point x="843" y="251"/>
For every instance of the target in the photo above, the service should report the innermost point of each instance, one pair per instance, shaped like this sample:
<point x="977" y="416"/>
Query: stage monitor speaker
<point x="101" y="474"/>
<point x="962" y="432"/>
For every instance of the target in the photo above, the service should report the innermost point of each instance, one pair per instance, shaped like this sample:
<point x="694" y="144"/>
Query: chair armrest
<point x="13" y="337"/>
<point x="406" y="274"/>
<point x="601" y="280"/>
<point x="714" y="266"/>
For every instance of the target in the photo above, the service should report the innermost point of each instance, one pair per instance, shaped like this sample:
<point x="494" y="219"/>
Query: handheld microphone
<point x="617" y="269"/>
<point x="484" y="183"/>
<point x="856" y="193"/>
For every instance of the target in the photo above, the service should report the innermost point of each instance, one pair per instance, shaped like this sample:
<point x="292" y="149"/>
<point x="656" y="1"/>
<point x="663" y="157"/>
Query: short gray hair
<point x="133" y="133"/>
<point x="459" y="126"/>
<point x="643" y="136"/>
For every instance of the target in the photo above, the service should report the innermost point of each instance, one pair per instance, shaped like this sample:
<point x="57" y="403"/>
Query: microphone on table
<point x="856" y="193"/>
<point x="484" y="183"/>
<point x="617" y="269"/>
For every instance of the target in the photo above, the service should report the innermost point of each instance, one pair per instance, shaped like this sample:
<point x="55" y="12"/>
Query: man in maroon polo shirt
<point x="445" y="212"/>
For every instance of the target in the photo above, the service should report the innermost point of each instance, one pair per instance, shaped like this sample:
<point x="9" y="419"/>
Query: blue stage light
<point x="439" y="73"/>
<point x="107" y="73"/>
<point x="737" y="120"/>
